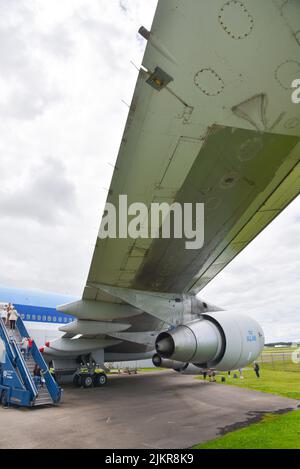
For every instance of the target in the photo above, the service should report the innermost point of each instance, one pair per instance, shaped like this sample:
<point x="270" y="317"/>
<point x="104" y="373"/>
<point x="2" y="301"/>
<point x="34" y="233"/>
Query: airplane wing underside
<point x="211" y="121"/>
<point x="223" y="131"/>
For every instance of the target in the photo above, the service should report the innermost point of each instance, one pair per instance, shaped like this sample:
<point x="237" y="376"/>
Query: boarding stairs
<point x="17" y="384"/>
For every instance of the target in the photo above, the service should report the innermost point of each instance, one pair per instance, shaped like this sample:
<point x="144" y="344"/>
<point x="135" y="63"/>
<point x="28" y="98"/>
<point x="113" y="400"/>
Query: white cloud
<point x="64" y="71"/>
<point x="44" y="195"/>
<point x="26" y="87"/>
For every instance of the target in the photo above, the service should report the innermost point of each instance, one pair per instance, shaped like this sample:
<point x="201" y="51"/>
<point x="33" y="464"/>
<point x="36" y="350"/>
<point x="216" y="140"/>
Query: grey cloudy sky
<point x="65" y="72"/>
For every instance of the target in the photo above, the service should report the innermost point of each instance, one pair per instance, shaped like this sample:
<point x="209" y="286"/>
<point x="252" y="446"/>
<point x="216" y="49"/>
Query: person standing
<point x="24" y="347"/>
<point x="30" y="345"/>
<point x="256" y="368"/>
<point x="9" y="308"/>
<point x="52" y="370"/>
<point x="37" y="376"/>
<point x="4" y="315"/>
<point x="13" y="318"/>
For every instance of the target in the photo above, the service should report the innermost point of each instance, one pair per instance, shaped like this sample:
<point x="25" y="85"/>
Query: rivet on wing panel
<point x="290" y="10"/>
<point x="209" y="82"/>
<point x="236" y="20"/>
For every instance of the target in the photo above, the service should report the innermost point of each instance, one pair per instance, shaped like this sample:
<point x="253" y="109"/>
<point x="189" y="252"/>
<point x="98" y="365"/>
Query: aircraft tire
<point x="86" y="381"/>
<point x="99" y="379"/>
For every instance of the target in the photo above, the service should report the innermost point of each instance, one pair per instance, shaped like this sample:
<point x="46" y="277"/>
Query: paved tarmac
<point x="159" y="409"/>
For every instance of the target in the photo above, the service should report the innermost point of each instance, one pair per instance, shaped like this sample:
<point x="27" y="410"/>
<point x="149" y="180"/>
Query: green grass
<point x="273" y="432"/>
<point x="279" y="365"/>
<point x="281" y="383"/>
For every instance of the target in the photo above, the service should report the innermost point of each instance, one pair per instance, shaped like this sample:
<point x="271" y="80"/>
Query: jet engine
<point x="223" y="341"/>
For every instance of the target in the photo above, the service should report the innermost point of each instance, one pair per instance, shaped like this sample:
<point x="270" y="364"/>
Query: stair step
<point x="43" y="393"/>
<point x="43" y="402"/>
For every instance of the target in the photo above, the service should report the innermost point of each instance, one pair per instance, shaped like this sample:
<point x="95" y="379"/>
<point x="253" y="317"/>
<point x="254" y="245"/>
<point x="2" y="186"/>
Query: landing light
<point x="159" y="79"/>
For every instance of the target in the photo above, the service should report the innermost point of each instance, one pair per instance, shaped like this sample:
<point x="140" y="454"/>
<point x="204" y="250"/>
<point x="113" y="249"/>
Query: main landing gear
<point x="88" y="379"/>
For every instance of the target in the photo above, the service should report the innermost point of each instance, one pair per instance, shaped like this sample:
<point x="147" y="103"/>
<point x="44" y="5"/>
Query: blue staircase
<point x="17" y="384"/>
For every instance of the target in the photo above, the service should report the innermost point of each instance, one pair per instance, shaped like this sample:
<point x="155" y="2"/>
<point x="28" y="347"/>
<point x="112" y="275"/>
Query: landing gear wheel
<point x="100" y="379"/>
<point x="4" y="399"/>
<point x="86" y="381"/>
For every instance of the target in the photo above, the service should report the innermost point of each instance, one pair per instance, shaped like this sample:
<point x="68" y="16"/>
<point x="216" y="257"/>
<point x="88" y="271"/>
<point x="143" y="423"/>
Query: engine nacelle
<point x="223" y="341"/>
<point x="180" y="367"/>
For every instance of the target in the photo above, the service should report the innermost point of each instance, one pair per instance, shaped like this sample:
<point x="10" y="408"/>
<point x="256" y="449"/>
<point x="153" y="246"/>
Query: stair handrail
<point x="26" y="376"/>
<point x="17" y="360"/>
<point x="6" y="338"/>
<point x="53" y="388"/>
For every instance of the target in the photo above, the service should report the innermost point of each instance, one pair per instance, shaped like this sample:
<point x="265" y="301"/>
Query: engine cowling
<point x="180" y="367"/>
<point x="223" y="341"/>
